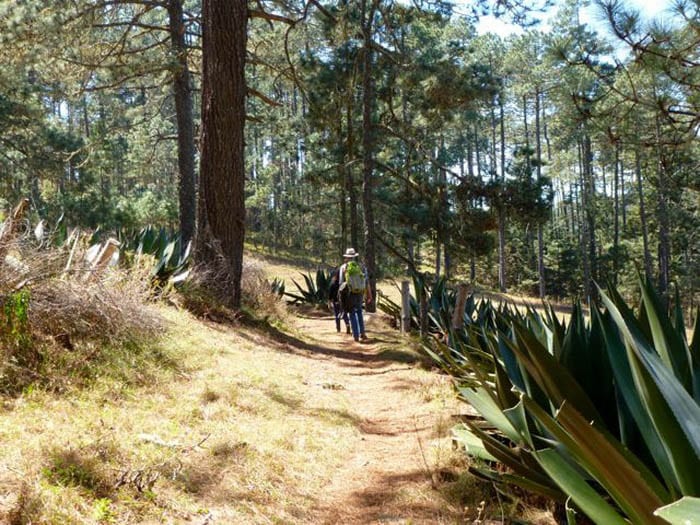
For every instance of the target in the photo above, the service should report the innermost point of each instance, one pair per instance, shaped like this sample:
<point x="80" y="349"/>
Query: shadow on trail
<point x="385" y="502"/>
<point x="290" y="344"/>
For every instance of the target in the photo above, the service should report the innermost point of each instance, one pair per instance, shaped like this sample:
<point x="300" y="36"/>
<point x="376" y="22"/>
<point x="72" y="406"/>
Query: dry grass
<point x="228" y="432"/>
<point x="56" y="322"/>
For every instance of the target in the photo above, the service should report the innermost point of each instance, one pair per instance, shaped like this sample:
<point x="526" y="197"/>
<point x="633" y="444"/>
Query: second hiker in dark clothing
<point x="353" y="280"/>
<point x="334" y="298"/>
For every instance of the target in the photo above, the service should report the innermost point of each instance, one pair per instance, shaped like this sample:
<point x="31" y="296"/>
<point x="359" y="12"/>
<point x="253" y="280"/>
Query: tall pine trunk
<point x="540" y="226"/>
<point x="182" y="88"/>
<point x="350" y="179"/>
<point x="368" y="147"/>
<point x="662" y="214"/>
<point x="616" y="214"/>
<point x="222" y="169"/>
<point x="643" y="216"/>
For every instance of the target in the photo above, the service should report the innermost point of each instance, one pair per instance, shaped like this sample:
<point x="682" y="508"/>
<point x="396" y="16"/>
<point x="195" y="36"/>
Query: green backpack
<point x="354" y="277"/>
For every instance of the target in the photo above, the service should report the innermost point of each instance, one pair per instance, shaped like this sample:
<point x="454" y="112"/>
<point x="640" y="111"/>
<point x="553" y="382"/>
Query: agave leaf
<point x="628" y="393"/>
<point x="504" y="388"/>
<point x="694" y="349"/>
<point x="296" y="298"/>
<point x="600" y="442"/>
<point x="685" y="511"/>
<point x="678" y="321"/>
<point x="174" y="254"/>
<point x="624" y="477"/>
<point x="674" y="413"/>
<point x="518" y="419"/>
<point x="492" y="476"/>
<point x="160" y="270"/>
<point x="310" y="285"/>
<point x="472" y="444"/>
<point x="179" y="277"/>
<point x="669" y="344"/>
<point x="571" y="482"/>
<point x="483" y="402"/>
<point x="511" y="364"/>
<point x="301" y="290"/>
<point x="553" y="378"/>
<point x="146" y="238"/>
<point x="185" y="257"/>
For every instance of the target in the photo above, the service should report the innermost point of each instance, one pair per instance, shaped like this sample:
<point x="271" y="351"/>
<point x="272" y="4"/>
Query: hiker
<point x="353" y="280"/>
<point x="338" y="311"/>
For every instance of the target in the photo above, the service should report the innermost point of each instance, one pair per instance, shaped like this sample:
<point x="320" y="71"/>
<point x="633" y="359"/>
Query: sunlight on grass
<point x="230" y="426"/>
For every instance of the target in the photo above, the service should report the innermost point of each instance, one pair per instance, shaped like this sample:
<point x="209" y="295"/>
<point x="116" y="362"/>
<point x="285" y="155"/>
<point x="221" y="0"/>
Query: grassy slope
<point x="224" y="430"/>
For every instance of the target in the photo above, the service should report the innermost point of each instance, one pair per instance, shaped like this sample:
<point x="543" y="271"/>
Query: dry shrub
<point x="113" y="308"/>
<point x="257" y="291"/>
<point x="208" y="291"/>
<point x="75" y="309"/>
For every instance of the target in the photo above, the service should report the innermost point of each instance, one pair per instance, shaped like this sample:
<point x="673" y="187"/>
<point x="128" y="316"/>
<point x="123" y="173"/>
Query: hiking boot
<point x="347" y="330"/>
<point x="356" y="338"/>
<point x="363" y="337"/>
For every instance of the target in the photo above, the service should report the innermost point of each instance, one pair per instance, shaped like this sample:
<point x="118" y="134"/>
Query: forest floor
<point x="248" y="423"/>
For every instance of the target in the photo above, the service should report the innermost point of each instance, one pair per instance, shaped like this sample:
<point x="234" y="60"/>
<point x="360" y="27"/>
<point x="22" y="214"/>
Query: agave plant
<point x="439" y="299"/>
<point x="277" y="287"/>
<point x="171" y="260"/>
<point x="602" y="416"/>
<point x="315" y="290"/>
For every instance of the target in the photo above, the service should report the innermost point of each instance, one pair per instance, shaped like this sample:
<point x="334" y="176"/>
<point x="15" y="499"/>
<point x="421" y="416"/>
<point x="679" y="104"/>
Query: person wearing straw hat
<point x="353" y="279"/>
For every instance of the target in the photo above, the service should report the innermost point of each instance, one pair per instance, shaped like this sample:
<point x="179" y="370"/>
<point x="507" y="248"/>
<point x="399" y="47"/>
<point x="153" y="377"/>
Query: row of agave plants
<point x="600" y="413"/>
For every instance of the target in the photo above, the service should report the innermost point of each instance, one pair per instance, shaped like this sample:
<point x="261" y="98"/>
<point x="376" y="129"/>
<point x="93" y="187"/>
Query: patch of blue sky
<point x="590" y="15"/>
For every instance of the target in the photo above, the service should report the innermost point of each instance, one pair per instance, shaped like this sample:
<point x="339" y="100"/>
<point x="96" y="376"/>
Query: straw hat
<point x="350" y="253"/>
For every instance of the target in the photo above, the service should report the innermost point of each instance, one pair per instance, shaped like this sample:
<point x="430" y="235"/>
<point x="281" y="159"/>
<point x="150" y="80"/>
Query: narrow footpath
<point x="391" y="472"/>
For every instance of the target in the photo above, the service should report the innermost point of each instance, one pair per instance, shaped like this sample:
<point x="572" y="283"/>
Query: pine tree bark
<point x="662" y="215"/>
<point x="182" y="89"/>
<point x="540" y="226"/>
<point x="350" y="179"/>
<point x="584" y="234"/>
<point x="616" y="214"/>
<point x="221" y="229"/>
<point x="589" y="190"/>
<point x="643" y="216"/>
<point x="368" y="148"/>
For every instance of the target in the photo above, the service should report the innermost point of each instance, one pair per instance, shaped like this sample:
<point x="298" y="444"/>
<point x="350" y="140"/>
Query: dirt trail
<point x="389" y="473"/>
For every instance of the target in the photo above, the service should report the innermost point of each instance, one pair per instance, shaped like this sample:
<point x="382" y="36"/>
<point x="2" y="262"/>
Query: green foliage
<point x="18" y="356"/>
<point x="685" y="511"/>
<point x="603" y="412"/>
<point x="15" y="329"/>
<point x="103" y="512"/>
<point x="314" y="291"/>
<point x="73" y="468"/>
<point x="171" y="261"/>
<point x="277" y="287"/>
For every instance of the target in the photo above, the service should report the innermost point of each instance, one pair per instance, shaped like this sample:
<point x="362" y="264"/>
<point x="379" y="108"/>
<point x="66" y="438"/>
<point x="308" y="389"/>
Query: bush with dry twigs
<point x="55" y="300"/>
<point x="208" y="290"/>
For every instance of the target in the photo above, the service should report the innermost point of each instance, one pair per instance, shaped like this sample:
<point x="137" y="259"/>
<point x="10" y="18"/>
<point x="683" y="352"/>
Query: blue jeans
<point x="356" y="321"/>
<point x="339" y="314"/>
